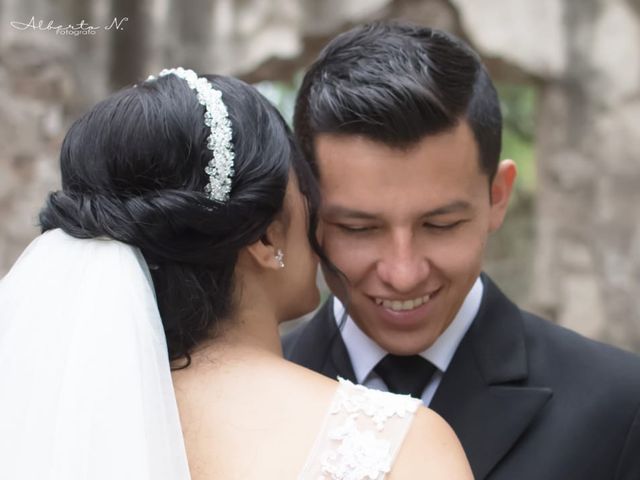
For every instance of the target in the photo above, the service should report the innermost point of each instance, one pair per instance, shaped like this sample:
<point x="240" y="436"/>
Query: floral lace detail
<point x="359" y="449"/>
<point x="379" y="406"/>
<point x="360" y="454"/>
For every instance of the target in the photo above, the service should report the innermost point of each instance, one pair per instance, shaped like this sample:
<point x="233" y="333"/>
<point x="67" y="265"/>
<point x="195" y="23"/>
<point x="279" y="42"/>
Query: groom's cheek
<point x="338" y="253"/>
<point x="348" y="252"/>
<point x="320" y="229"/>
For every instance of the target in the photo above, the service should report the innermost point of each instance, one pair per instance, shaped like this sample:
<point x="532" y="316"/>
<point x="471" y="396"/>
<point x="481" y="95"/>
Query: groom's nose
<point x="401" y="265"/>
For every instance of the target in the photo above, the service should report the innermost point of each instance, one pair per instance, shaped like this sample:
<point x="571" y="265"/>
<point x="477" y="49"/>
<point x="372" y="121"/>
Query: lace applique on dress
<point x="363" y="432"/>
<point x="379" y="406"/>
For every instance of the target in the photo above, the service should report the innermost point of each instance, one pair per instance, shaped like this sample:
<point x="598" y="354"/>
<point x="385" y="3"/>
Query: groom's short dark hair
<point x="396" y="83"/>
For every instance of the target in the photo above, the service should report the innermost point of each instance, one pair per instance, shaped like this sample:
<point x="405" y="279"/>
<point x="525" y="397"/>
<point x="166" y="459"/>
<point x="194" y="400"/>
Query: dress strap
<point x="361" y="435"/>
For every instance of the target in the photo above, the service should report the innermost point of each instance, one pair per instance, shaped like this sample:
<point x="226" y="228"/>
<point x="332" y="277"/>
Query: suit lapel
<point x="320" y="346"/>
<point x="484" y="395"/>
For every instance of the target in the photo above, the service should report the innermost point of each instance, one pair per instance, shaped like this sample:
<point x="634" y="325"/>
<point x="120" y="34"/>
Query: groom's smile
<point x="399" y="305"/>
<point x="405" y="314"/>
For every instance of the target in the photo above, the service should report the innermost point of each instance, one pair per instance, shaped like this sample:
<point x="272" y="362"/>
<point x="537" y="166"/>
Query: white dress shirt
<point x="365" y="353"/>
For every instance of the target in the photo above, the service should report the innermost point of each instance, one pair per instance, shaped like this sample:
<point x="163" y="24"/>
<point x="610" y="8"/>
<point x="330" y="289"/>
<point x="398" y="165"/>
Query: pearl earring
<point x="280" y="258"/>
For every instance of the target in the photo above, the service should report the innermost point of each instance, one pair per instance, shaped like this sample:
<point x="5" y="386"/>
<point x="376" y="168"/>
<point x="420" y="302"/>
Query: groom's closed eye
<point x="444" y="226"/>
<point x="355" y="228"/>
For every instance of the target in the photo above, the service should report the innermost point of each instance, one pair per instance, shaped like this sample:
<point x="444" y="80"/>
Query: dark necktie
<point x="405" y="374"/>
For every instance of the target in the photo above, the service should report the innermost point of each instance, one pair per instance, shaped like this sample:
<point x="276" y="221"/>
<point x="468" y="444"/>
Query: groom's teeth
<point x="400" y="305"/>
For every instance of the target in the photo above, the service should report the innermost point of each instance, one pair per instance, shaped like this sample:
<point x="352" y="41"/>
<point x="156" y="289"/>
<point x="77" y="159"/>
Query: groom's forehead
<point x="350" y="158"/>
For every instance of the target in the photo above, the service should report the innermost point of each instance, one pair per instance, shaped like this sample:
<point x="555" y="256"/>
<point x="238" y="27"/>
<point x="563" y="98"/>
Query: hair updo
<point x="133" y="169"/>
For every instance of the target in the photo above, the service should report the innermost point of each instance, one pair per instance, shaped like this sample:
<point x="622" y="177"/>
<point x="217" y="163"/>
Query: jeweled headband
<point x="216" y="117"/>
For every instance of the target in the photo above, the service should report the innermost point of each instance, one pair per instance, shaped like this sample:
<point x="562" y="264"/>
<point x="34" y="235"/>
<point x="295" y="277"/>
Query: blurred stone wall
<point x="572" y="253"/>
<point x="34" y="84"/>
<point x="585" y="57"/>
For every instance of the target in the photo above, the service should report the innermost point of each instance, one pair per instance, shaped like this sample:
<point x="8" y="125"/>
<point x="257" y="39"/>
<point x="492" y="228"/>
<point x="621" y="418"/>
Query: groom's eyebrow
<point x="339" y="211"/>
<point x="453" y="207"/>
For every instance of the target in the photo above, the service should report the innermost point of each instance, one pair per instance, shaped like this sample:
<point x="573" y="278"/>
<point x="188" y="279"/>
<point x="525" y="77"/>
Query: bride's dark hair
<point x="133" y="169"/>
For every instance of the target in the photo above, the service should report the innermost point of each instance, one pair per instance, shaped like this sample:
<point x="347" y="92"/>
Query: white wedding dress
<point x="361" y="435"/>
<point x="85" y="382"/>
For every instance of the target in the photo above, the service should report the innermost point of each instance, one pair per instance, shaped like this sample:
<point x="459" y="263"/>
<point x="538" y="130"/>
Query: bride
<point x="139" y="332"/>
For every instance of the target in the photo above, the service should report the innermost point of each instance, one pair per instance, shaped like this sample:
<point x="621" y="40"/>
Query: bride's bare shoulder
<point x="310" y="378"/>
<point x="431" y="450"/>
<point x="270" y="408"/>
<point x="277" y="382"/>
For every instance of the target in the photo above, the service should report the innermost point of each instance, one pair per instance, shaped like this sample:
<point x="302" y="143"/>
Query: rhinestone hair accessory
<point x="220" y="167"/>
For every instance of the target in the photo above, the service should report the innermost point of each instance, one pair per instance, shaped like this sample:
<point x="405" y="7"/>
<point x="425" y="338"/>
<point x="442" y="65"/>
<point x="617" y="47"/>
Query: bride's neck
<point x="251" y="332"/>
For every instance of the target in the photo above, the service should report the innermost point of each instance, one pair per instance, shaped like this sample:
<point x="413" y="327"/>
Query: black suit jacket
<point x="528" y="399"/>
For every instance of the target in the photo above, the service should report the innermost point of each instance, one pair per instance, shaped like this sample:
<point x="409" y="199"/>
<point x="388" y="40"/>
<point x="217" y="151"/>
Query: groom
<point x="402" y="126"/>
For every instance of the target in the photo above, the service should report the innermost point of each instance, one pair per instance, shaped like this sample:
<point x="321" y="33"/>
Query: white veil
<point x="85" y="383"/>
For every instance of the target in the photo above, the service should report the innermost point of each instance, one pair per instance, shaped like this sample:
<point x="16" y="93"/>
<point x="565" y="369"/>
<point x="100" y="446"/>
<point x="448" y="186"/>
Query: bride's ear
<point x="267" y="251"/>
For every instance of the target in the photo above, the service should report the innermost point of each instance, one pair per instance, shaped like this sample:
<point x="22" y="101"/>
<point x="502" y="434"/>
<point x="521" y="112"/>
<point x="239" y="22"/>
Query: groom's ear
<point x="262" y="253"/>
<point x="501" y="188"/>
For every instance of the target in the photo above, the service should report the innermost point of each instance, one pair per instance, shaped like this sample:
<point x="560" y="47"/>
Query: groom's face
<point x="408" y="228"/>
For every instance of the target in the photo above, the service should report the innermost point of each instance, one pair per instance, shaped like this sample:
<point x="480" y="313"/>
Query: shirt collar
<point x="365" y="353"/>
